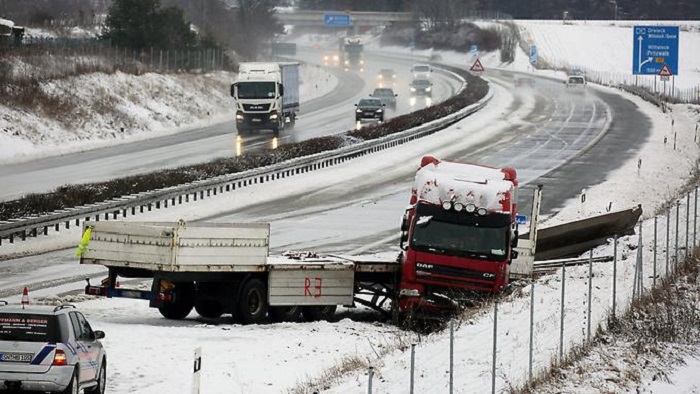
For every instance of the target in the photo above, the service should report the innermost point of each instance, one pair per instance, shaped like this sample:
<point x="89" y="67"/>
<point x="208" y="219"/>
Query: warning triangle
<point x="477" y="67"/>
<point x="665" y="71"/>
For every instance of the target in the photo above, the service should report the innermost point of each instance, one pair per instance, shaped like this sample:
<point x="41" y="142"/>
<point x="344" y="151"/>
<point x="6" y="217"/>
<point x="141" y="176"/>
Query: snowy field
<point x="275" y="358"/>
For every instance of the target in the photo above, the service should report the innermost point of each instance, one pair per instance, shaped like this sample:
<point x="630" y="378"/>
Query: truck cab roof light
<point x="446" y="205"/>
<point x="471" y="208"/>
<point x="481" y="211"/>
<point x="458" y="206"/>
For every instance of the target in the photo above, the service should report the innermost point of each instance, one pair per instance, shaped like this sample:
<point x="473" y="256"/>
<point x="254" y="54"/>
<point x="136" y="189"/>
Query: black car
<point x="422" y="87"/>
<point x="386" y="96"/>
<point x="369" y="109"/>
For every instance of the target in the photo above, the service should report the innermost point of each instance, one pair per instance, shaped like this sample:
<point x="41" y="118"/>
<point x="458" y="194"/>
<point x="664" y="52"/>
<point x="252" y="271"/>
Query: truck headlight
<point x="428" y="89"/>
<point x="358" y="110"/>
<point x="273" y="116"/>
<point x="239" y="117"/>
<point x="413" y="89"/>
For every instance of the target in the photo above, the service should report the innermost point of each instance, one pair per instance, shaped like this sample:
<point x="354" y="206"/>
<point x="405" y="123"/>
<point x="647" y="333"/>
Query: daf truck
<point x="266" y="96"/>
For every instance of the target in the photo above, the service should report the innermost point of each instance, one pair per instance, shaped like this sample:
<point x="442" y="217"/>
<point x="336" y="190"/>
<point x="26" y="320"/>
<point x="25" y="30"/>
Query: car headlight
<point x="336" y="58"/>
<point x="380" y="110"/>
<point x="362" y="62"/>
<point x="380" y="77"/>
<point x="428" y="89"/>
<point x="413" y="89"/>
<point x="358" y="110"/>
<point x="347" y="62"/>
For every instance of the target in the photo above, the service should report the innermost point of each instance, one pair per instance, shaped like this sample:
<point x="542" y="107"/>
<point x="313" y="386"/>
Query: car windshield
<point x="460" y="234"/>
<point x="387" y="72"/>
<point x="369" y="103"/>
<point x="256" y="90"/>
<point x="421" y="82"/>
<point x="28" y="327"/>
<point x="421" y="69"/>
<point x="576" y="80"/>
<point x="383" y="93"/>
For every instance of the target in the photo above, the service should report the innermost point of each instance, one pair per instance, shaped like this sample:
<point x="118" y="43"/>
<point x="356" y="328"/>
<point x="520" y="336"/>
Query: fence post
<point x="561" y="324"/>
<point x="452" y="353"/>
<point x="532" y="326"/>
<point x="687" y="223"/>
<point x="614" y="284"/>
<point x="655" y="240"/>
<point x="369" y="383"/>
<point x="678" y="210"/>
<point x="413" y="365"/>
<point x="695" y="219"/>
<point x="495" y="342"/>
<point x="668" y="238"/>
<point x="590" y="290"/>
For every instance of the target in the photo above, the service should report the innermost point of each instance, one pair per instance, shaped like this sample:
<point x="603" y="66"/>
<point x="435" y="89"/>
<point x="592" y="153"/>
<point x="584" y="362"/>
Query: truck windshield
<point x="353" y="48"/>
<point x="460" y="234"/>
<point x="256" y="90"/>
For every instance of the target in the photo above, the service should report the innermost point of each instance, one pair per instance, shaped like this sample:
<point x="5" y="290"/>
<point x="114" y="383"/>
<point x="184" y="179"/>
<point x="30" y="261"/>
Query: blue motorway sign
<point x="521" y="219"/>
<point x="654" y="47"/>
<point x="533" y="55"/>
<point x="336" y="19"/>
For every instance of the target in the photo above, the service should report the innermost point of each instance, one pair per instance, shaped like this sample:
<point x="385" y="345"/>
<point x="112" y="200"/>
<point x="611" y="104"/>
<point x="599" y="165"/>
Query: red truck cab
<point x="458" y="233"/>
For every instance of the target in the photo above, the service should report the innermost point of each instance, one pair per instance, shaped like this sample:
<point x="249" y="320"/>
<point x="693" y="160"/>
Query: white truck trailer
<point x="219" y="268"/>
<point x="266" y="96"/>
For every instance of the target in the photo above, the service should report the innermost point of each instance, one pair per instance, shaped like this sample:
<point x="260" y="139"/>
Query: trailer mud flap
<point x="311" y="284"/>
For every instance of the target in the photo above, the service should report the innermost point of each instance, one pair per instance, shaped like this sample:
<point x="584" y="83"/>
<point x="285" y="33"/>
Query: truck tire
<point x="316" y="313"/>
<point x="183" y="304"/>
<point x="285" y="313"/>
<point x="209" y="309"/>
<point x="252" y="304"/>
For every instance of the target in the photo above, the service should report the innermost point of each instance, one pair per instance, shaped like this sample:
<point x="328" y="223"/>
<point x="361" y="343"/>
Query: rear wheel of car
<point x="209" y="309"/>
<point x="315" y="313"/>
<point x="252" y="304"/>
<point x="73" y="385"/>
<point x="101" y="381"/>
<point x="182" y="305"/>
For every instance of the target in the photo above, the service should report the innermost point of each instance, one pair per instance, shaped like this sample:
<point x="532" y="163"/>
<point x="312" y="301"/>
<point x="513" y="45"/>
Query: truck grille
<point x="427" y="270"/>
<point x="256" y="107"/>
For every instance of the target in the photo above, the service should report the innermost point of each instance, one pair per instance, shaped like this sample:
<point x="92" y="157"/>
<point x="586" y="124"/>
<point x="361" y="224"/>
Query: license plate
<point x="256" y="120"/>
<point x="16" y="357"/>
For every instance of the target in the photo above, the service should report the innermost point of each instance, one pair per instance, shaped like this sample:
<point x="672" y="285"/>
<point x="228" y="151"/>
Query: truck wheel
<point x="285" y="313"/>
<point x="316" y="313"/>
<point x="209" y="309"/>
<point x="252" y="304"/>
<point x="183" y="304"/>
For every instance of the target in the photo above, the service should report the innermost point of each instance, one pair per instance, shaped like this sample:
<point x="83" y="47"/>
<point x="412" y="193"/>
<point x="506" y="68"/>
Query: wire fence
<point x="651" y="88"/>
<point x="552" y="318"/>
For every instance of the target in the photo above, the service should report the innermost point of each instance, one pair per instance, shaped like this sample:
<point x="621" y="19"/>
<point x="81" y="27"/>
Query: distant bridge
<point x="316" y="18"/>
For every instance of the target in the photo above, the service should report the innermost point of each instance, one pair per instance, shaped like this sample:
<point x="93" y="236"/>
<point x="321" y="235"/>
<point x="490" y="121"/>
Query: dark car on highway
<point x="422" y="87"/>
<point x="369" y="109"/>
<point x="386" y="96"/>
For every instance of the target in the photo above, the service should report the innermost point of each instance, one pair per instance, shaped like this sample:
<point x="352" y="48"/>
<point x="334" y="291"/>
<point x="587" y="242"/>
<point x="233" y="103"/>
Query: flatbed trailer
<point x="219" y="268"/>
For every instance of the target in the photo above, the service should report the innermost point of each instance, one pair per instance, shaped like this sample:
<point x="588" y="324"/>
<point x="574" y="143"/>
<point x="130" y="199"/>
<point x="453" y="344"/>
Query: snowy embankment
<point x="117" y="108"/>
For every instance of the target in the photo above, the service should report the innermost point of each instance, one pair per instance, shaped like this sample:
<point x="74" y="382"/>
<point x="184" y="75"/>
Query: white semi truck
<point x="266" y="96"/>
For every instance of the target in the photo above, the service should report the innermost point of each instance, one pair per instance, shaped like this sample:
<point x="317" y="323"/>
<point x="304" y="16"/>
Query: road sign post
<point x="655" y="50"/>
<point x="533" y="55"/>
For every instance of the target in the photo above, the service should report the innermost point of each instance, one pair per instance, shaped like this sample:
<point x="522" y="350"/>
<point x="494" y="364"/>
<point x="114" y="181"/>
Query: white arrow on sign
<point x="641" y="63"/>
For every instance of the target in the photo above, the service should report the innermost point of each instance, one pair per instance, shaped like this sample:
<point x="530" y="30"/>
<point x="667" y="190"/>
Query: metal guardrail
<point x="163" y="198"/>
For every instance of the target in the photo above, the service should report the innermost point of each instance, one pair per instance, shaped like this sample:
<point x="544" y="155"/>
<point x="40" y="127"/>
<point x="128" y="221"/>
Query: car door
<point x="86" y="346"/>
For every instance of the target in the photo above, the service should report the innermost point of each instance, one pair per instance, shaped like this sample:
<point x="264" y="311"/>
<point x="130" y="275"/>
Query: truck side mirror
<point x="513" y="255"/>
<point x="281" y="90"/>
<point x="403" y="240"/>
<point x="233" y="89"/>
